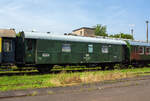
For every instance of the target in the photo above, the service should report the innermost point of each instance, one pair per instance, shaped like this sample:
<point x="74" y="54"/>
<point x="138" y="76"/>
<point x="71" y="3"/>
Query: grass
<point x="66" y="79"/>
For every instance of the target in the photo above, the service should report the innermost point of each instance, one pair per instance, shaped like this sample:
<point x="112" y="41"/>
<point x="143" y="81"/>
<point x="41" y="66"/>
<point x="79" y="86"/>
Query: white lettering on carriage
<point x="45" y="55"/>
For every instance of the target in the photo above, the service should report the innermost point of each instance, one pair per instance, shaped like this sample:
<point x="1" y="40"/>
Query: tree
<point x="122" y="35"/>
<point x="18" y="34"/>
<point x="100" y="30"/>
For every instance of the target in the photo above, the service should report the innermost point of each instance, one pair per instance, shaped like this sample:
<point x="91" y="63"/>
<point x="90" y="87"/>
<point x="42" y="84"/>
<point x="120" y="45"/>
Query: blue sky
<point x="61" y="16"/>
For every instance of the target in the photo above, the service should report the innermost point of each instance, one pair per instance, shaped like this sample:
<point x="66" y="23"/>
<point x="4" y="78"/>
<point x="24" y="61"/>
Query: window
<point x="66" y="48"/>
<point x="7" y="45"/>
<point x="90" y="48"/>
<point x="29" y="45"/>
<point x="104" y="49"/>
<point x="135" y="50"/>
<point x="80" y="32"/>
<point x="141" y="50"/>
<point x="147" y="51"/>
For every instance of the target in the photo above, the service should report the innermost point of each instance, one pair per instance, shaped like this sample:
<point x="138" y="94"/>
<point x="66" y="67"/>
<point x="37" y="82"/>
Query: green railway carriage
<point x="139" y="52"/>
<point x="44" y="49"/>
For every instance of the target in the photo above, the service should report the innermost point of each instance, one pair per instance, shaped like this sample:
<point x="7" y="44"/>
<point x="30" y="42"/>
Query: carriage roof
<point x="48" y="36"/>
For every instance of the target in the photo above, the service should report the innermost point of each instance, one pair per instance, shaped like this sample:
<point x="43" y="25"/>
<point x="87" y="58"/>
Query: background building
<point x="84" y="31"/>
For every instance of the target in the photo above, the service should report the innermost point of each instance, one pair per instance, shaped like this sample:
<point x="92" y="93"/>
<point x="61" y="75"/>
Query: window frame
<point x="147" y="53"/>
<point x="105" y="49"/>
<point x="10" y="45"/>
<point x="90" y="48"/>
<point x="141" y="53"/>
<point x="66" y="48"/>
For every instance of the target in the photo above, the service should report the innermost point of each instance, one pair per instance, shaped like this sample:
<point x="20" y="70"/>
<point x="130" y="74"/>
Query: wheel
<point x="111" y="67"/>
<point x="20" y="67"/>
<point x="44" y="69"/>
<point x="103" y="67"/>
<point x="123" y="66"/>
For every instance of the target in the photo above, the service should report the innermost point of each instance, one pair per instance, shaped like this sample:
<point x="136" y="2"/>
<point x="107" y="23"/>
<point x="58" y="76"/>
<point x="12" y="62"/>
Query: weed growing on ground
<point x="66" y="79"/>
<point x="34" y="93"/>
<point x="50" y="92"/>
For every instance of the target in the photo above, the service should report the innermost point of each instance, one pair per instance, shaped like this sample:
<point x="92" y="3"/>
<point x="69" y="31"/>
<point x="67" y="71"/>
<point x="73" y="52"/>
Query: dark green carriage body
<point x="51" y="51"/>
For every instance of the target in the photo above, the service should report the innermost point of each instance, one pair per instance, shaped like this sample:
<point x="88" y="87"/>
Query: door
<point x="30" y="51"/>
<point x="8" y="50"/>
<point x="114" y="53"/>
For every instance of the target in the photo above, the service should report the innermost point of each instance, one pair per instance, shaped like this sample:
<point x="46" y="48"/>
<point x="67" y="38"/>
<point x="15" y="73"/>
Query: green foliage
<point x="18" y="34"/>
<point x="122" y="35"/>
<point x="100" y="30"/>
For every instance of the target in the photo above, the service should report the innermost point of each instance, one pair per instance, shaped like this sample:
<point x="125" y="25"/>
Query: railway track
<point x="34" y="72"/>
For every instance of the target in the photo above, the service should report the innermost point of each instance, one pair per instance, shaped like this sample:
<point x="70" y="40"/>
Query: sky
<point x="63" y="16"/>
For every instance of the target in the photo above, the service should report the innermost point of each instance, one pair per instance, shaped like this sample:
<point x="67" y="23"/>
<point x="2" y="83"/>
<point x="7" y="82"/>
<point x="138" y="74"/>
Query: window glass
<point x="141" y="50"/>
<point x="66" y="48"/>
<point x="29" y="45"/>
<point x="90" y="48"/>
<point x="7" y="45"/>
<point x="104" y="49"/>
<point x="147" y="50"/>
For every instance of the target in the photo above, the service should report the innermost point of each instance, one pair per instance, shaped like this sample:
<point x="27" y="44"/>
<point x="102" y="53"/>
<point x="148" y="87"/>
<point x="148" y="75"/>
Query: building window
<point x="66" y="48"/>
<point x="90" y="48"/>
<point x="147" y="51"/>
<point x="7" y="45"/>
<point x="29" y="45"/>
<point x="104" y="49"/>
<point x="80" y="32"/>
<point x="141" y="50"/>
